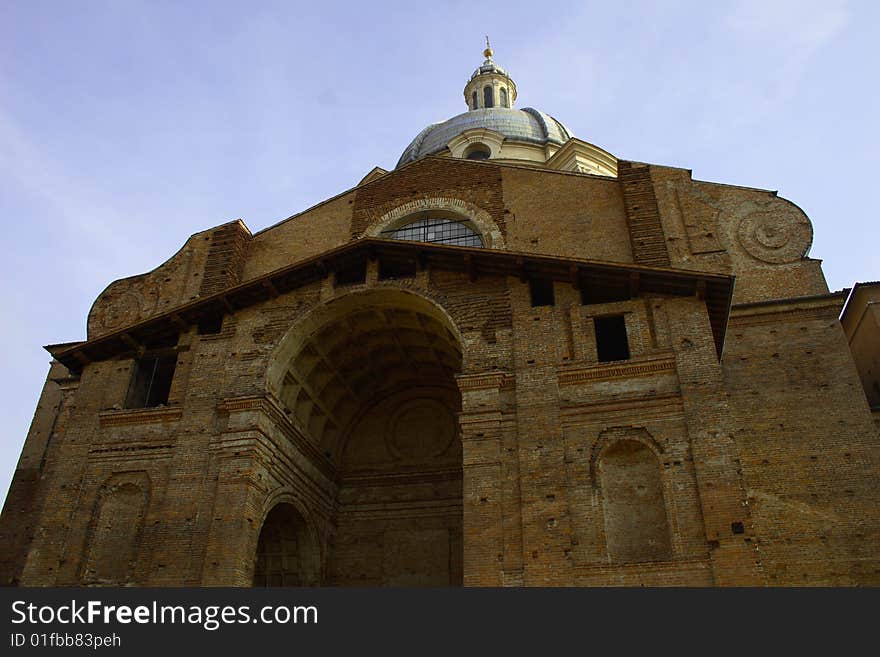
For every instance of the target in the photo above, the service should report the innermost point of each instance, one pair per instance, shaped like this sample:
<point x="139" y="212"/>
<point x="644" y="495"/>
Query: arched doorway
<point x="286" y="551"/>
<point x="370" y="376"/>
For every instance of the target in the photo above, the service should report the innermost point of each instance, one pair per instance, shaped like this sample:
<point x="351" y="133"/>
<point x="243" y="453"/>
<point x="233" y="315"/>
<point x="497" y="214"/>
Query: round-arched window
<point x="436" y="230"/>
<point x="478" y="152"/>
<point x="503" y="97"/>
<point x="488" y="98"/>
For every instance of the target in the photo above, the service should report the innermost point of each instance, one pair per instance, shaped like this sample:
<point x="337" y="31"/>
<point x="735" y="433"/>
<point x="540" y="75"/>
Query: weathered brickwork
<point x="428" y="417"/>
<point x="752" y="233"/>
<point x="809" y="456"/>
<point x="478" y="183"/>
<point x="552" y="214"/>
<point x="643" y="216"/>
<point x="302" y="236"/>
<point x="226" y="256"/>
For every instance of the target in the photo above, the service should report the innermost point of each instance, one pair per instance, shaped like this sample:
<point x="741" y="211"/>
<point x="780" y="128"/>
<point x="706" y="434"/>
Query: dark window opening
<point x="541" y="291"/>
<point x="437" y="231"/>
<point x="503" y="97"/>
<point x="396" y="269"/>
<point x="478" y="152"/>
<point x="737" y="528"/>
<point x="210" y="324"/>
<point x="353" y="273"/>
<point x="611" y="342"/>
<point x="151" y="381"/>
<point x="474" y="99"/>
<point x="488" y="101"/>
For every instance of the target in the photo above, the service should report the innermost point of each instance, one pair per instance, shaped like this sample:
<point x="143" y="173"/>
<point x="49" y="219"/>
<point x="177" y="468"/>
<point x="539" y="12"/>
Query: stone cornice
<point x="762" y="312"/>
<point x="648" y="407"/>
<point x="129" y="416"/>
<point x="830" y="300"/>
<point x="398" y="478"/>
<point x="616" y="370"/>
<point x="270" y="408"/>
<point x="485" y="381"/>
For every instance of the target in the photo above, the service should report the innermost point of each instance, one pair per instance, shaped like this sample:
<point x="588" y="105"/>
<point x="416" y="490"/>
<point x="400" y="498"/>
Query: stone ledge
<point x="128" y="416"/>
<point x="615" y="370"/>
<point x="484" y="381"/>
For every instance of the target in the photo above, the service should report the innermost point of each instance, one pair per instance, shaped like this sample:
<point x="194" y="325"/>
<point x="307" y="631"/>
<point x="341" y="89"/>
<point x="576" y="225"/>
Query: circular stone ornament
<point x="776" y="236"/>
<point x="126" y="309"/>
<point x="420" y="428"/>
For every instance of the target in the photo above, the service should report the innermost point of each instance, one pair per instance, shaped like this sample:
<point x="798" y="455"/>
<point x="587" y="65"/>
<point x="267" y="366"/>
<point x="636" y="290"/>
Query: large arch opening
<point x="370" y="377"/>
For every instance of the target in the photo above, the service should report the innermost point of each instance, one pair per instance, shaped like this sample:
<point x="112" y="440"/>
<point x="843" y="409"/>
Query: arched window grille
<point x="487" y="97"/>
<point x="436" y="230"/>
<point x="503" y="97"/>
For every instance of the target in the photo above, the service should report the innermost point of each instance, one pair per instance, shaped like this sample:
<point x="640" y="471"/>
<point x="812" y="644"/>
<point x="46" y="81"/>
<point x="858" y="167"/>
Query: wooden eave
<point x="717" y="290"/>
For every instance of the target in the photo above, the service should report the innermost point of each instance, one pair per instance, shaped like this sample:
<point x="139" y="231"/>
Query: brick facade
<point x="376" y="417"/>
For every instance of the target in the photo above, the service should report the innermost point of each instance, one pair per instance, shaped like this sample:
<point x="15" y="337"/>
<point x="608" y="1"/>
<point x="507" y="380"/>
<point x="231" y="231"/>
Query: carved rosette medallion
<point x="124" y="310"/>
<point x="777" y="235"/>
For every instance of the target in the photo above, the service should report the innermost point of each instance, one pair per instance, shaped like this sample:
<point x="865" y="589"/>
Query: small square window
<point x="611" y="339"/>
<point x="210" y="324"/>
<point x="353" y="273"/>
<point x="151" y="381"/>
<point x="541" y="291"/>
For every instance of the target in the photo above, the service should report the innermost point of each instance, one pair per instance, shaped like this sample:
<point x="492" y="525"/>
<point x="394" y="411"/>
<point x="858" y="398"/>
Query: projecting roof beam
<point x="521" y="269"/>
<point x="470" y="267"/>
<point x="422" y="261"/>
<point x="224" y="301"/>
<point x="658" y="280"/>
<point x="269" y="286"/>
<point x="633" y="284"/>
<point x="130" y="342"/>
<point x="178" y="321"/>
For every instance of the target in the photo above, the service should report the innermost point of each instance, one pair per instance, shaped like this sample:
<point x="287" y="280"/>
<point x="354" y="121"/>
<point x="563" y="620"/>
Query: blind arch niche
<point x="633" y="504"/>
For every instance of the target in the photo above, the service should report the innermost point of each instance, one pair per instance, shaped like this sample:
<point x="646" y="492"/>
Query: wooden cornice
<point x="635" y="279"/>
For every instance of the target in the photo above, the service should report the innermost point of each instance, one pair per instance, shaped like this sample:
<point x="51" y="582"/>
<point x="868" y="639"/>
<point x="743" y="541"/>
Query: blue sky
<point x="127" y="126"/>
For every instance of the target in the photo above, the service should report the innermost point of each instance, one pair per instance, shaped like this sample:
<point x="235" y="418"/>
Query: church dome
<point x="491" y="128"/>
<point x="526" y="125"/>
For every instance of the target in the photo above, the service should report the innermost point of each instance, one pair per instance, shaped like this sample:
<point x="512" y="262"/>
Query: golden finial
<point x="487" y="53"/>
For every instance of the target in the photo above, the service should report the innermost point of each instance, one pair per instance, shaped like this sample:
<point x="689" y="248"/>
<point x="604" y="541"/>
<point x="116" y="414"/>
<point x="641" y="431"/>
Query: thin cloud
<point x="779" y="41"/>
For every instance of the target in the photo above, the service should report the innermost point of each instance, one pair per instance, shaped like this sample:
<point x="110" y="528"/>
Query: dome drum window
<point x="436" y="230"/>
<point x="478" y="152"/>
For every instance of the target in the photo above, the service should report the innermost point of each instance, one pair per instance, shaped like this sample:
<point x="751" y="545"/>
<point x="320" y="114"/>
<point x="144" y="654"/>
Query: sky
<point x="127" y="126"/>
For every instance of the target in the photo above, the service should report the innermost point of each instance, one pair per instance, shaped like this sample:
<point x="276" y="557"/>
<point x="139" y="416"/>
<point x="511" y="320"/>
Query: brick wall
<point x="759" y="469"/>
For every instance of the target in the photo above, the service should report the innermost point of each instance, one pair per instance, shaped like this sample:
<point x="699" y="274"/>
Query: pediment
<point x="583" y="157"/>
